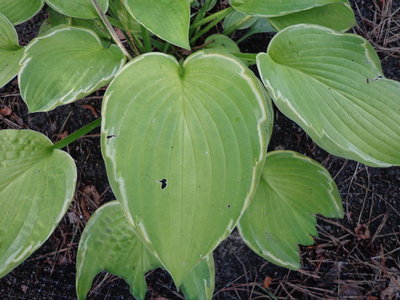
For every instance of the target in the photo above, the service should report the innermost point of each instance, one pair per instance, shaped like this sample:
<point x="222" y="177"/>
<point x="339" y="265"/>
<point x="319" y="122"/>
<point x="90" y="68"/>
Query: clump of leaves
<point x="184" y="133"/>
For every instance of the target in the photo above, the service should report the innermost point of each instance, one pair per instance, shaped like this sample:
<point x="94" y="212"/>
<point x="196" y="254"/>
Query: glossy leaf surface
<point x="293" y="188"/>
<point x="65" y="65"/>
<point x="168" y="19"/>
<point x="37" y="185"/>
<point x="18" y="11"/>
<point x="109" y="243"/>
<point x="78" y="8"/>
<point x="332" y="85"/>
<point x="184" y="144"/>
<point x="10" y="51"/>
<point x="337" y="16"/>
<point x="271" y="8"/>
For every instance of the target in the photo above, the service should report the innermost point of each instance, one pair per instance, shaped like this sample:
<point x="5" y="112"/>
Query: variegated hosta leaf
<point x="37" y="185"/>
<point x="65" y="65"/>
<point x="293" y="188"/>
<point x="54" y="19"/>
<point x="338" y="16"/>
<point x="10" y="51"/>
<point x="18" y="11"/>
<point x="109" y="243"/>
<point x="273" y="8"/>
<point x="83" y="9"/>
<point x="183" y="146"/>
<point x="332" y="85"/>
<point x="168" y="19"/>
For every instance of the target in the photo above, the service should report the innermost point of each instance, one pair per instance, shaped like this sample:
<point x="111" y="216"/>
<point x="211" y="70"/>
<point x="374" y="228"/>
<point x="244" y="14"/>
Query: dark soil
<point x="354" y="258"/>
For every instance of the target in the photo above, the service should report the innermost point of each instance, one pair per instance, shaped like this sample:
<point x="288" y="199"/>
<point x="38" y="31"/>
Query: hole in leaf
<point x="163" y="183"/>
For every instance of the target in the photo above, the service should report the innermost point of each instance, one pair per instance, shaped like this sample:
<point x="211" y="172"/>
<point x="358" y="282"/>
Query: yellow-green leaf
<point x="83" y="9"/>
<point x="184" y="143"/>
<point x="332" y="85"/>
<point x="10" y="51"/>
<point x="338" y="16"/>
<point x="37" y="185"/>
<point x="168" y="19"/>
<point x="65" y="65"/>
<point x="273" y="8"/>
<point x="292" y="190"/>
<point x="109" y="243"/>
<point x="18" y="11"/>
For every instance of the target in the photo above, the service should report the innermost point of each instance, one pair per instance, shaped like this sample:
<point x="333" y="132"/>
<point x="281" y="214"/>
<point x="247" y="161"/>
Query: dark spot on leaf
<point x="163" y="183"/>
<point x="111" y="136"/>
<point x="229" y="206"/>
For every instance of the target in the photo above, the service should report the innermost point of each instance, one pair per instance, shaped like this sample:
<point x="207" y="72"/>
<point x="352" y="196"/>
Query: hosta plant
<point x="185" y="128"/>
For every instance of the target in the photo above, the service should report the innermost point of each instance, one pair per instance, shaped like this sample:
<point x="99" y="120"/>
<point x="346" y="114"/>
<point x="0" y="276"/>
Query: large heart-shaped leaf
<point x="18" y="11"/>
<point x="338" y="16"/>
<point x="271" y="8"/>
<point x="109" y="243"/>
<point x="83" y="9"/>
<point x="10" y="51"/>
<point x="332" y="85"/>
<point x="168" y="19"/>
<point x="65" y="65"/>
<point x="292" y="189"/>
<point x="183" y="143"/>
<point x="37" y="185"/>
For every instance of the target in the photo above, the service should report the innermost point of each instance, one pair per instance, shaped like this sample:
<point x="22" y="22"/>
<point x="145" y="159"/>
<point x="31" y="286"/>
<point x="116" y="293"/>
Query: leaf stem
<point x="110" y="29"/>
<point x="77" y="134"/>
<point x="251" y="57"/>
<point x="146" y="39"/>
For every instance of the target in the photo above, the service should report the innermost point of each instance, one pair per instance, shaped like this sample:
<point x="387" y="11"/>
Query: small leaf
<point x="293" y="188"/>
<point x="200" y="282"/>
<point x="109" y="243"/>
<point x="175" y="16"/>
<point x="66" y="65"/>
<point x="332" y="85"/>
<point x="83" y="9"/>
<point x="19" y="11"/>
<point x="10" y="51"/>
<point x="201" y="126"/>
<point x="221" y="42"/>
<point x="37" y="185"/>
<point x="338" y="16"/>
<point x="273" y="8"/>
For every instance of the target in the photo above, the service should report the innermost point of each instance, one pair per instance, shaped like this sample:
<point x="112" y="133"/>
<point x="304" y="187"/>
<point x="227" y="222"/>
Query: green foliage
<point x="338" y="16"/>
<point x="167" y="126"/>
<point x="37" y="184"/>
<point x="18" y="11"/>
<point x="77" y="8"/>
<point x="273" y="8"/>
<point x="168" y="19"/>
<point x="292" y="189"/>
<point x="109" y="243"/>
<point x="332" y="85"/>
<point x="185" y="132"/>
<point x="10" y="51"/>
<point x="76" y="65"/>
